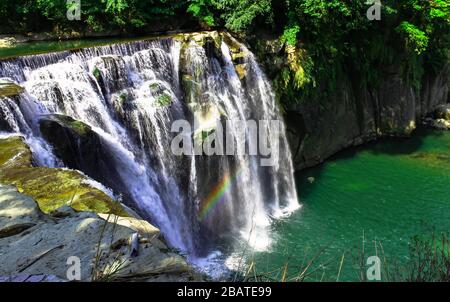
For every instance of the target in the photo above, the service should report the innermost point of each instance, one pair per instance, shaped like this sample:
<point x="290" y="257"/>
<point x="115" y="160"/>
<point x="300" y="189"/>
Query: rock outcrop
<point x="51" y="188"/>
<point x="9" y="88"/>
<point x="48" y="216"/>
<point x="35" y="244"/>
<point x="353" y="113"/>
<point x="6" y="42"/>
<point x="80" y="148"/>
<point x="352" y="116"/>
<point x="440" y="119"/>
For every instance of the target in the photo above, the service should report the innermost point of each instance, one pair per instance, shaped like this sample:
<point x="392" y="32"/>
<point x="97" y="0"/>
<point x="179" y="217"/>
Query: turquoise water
<point x="389" y="191"/>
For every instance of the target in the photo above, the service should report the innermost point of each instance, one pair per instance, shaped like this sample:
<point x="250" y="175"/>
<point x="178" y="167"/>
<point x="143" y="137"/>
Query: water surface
<point x="386" y="191"/>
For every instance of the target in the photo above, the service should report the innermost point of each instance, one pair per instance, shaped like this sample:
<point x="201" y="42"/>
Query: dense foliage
<point x="331" y="33"/>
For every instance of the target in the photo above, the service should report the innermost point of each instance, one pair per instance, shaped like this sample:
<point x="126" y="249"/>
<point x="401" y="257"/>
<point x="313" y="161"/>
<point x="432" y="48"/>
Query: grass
<point x="429" y="260"/>
<point x="107" y="272"/>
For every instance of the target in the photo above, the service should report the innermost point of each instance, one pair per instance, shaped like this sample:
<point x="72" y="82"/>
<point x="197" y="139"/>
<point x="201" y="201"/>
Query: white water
<point x="116" y="90"/>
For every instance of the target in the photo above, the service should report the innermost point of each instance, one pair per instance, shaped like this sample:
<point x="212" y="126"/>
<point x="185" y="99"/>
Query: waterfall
<point x="130" y="94"/>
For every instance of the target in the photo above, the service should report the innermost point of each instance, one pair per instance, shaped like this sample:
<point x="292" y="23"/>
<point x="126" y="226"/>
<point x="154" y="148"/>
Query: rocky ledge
<point x="8" y="88"/>
<point x="43" y="234"/>
<point x="440" y="119"/>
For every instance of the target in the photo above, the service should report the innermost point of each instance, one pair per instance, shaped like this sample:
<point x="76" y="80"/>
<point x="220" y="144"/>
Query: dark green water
<point x="390" y="191"/>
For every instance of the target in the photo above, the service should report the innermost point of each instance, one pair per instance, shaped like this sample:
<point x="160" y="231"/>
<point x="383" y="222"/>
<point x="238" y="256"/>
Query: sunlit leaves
<point x="416" y="37"/>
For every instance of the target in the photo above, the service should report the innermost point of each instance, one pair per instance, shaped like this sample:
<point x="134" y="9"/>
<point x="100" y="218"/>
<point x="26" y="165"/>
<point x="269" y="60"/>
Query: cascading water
<point x="130" y="94"/>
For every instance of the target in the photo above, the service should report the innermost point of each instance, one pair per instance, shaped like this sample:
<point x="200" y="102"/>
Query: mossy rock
<point x="241" y="71"/>
<point x="435" y="159"/>
<point x="200" y="37"/>
<point x="157" y="88"/>
<point x="51" y="188"/>
<point x="14" y="153"/>
<point x="76" y="126"/>
<point x="163" y="97"/>
<point x="7" y="42"/>
<point x="81" y="148"/>
<point x="163" y="100"/>
<point x="9" y="89"/>
<point x="122" y="98"/>
<point x="96" y="73"/>
<point x="442" y="112"/>
<point x="234" y="46"/>
<point x="154" y="86"/>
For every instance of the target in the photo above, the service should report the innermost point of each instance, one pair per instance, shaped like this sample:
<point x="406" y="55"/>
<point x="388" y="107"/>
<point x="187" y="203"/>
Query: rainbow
<point x="218" y="193"/>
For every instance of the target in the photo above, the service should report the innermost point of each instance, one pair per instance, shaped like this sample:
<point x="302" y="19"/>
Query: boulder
<point x="442" y="112"/>
<point x="6" y="42"/>
<point x="9" y="88"/>
<point x="441" y="124"/>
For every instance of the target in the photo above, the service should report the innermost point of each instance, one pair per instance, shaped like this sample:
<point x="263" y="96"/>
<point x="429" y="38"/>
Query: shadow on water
<point x="403" y="146"/>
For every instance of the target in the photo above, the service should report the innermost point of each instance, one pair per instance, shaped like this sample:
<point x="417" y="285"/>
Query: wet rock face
<point x="51" y="188"/>
<point x="71" y="139"/>
<point x="80" y="148"/>
<point x="318" y="128"/>
<point x="110" y="73"/>
<point x="351" y="114"/>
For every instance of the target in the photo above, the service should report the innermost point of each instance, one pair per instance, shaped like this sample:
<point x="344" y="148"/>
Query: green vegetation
<point x="428" y="261"/>
<point x="123" y="97"/>
<point x="163" y="100"/>
<point x="97" y="15"/>
<point x="154" y="86"/>
<point x="78" y="127"/>
<point x="96" y="73"/>
<point x="325" y="38"/>
<point x="50" y="188"/>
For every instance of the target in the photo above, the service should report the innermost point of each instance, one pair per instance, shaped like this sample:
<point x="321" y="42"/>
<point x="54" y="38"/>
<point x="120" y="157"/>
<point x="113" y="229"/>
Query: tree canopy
<point x="332" y="31"/>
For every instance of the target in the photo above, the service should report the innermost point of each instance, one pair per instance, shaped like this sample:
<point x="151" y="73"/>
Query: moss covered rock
<point x="33" y="243"/>
<point x="9" y="88"/>
<point x="81" y="148"/>
<point x="7" y="42"/>
<point x="51" y="188"/>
